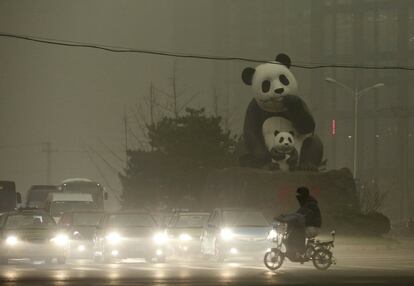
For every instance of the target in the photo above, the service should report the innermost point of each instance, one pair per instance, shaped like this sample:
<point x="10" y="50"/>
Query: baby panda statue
<point x="283" y="153"/>
<point x="276" y="96"/>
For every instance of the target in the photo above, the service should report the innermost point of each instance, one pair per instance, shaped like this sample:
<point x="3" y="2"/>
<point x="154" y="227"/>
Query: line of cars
<point x="68" y="220"/>
<point x="110" y="237"/>
<point x="33" y="232"/>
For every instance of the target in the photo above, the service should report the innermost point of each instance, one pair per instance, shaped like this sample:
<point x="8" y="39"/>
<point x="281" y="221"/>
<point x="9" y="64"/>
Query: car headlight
<point x="227" y="234"/>
<point x="113" y="238"/>
<point x="12" y="240"/>
<point x="60" y="239"/>
<point x="185" y="237"/>
<point x="272" y="234"/>
<point x="160" y="238"/>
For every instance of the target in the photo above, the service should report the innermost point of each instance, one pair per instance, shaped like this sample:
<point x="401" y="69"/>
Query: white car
<point x="32" y="234"/>
<point x="236" y="232"/>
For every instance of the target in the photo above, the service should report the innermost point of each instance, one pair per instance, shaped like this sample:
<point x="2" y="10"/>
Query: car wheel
<point x="97" y="258"/>
<point x="218" y="254"/>
<point x="161" y="259"/>
<point x="107" y="259"/>
<point x="61" y="260"/>
<point x="148" y="259"/>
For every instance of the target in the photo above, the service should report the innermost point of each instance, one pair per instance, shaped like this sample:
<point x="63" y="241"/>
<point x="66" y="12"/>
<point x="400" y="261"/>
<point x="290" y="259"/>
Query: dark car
<point x="130" y="234"/>
<point x="31" y="234"/>
<point x="81" y="227"/>
<point x="185" y="230"/>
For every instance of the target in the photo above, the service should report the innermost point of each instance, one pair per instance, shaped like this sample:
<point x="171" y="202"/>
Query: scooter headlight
<point x="12" y="240"/>
<point x="272" y="234"/>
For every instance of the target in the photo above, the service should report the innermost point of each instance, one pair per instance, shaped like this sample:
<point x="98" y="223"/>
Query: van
<point x="37" y="195"/>
<point x="9" y="198"/>
<point x="59" y="203"/>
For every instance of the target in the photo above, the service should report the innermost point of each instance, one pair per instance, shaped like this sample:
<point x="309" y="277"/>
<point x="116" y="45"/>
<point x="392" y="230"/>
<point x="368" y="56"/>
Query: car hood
<point x="132" y="232"/>
<point x="85" y="232"/>
<point x="35" y="234"/>
<point x="193" y="232"/>
<point x="250" y="233"/>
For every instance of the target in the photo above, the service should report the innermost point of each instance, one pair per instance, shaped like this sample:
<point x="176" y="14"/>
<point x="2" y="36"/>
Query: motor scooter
<point x="319" y="252"/>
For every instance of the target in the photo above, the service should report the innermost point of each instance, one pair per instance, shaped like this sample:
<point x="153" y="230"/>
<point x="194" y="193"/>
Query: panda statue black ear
<point x="284" y="60"/>
<point x="247" y="75"/>
<point x="276" y="132"/>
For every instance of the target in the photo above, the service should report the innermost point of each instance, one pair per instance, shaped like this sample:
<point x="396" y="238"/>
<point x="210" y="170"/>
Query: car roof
<point x="85" y="211"/>
<point x="238" y="209"/>
<point x="129" y="212"/>
<point x="43" y="187"/>
<point x="193" y="213"/>
<point x="70" y="197"/>
<point x="28" y="211"/>
<point x="76" y="180"/>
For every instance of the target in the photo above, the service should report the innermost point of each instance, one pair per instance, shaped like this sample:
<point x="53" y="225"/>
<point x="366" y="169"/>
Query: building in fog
<point x="371" y="33"/>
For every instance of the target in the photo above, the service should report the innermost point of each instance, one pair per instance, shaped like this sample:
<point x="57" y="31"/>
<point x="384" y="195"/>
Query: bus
<point x="9" y="198"/>
<point x="85" y="186"/>
<point x="37" y="195"/>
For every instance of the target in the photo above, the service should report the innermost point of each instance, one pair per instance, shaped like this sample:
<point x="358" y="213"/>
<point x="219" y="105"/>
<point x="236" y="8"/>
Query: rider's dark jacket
<point x="310" y="209"/>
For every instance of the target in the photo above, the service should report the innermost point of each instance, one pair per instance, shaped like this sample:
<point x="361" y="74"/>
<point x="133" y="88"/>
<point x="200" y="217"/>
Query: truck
<point x="9" y="198"/>
<point x="85" y="186"/>
<point x="37" y="195"/>
<point x="59" y="203"/>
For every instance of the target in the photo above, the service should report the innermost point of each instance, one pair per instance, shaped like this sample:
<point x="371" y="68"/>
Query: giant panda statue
<point x="276" y="99"/>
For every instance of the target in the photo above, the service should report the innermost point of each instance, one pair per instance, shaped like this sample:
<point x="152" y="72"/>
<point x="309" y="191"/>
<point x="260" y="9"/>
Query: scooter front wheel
<point x="273" y="259"/>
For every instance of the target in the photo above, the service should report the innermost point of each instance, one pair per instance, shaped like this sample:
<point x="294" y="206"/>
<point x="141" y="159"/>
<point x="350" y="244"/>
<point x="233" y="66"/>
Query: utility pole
<point x="174" y="93"/>
<point x="47" y="148"/>
<point x="356" y="94"/>
<point x="151" y="104"/>
<point x="215" y="103"/>
<point x="126" y="137"/>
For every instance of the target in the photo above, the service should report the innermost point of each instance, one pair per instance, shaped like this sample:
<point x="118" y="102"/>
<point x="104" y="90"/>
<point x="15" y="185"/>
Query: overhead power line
<point x="115" y="49"/>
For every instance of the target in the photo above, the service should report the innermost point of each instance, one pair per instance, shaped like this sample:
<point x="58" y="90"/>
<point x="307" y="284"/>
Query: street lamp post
<point x="356" y="94"/>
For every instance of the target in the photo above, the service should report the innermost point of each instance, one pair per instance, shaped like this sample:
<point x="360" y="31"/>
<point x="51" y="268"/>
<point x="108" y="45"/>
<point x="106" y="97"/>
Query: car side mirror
<point x="106" y="196"/>
<point x="19" y="198"/>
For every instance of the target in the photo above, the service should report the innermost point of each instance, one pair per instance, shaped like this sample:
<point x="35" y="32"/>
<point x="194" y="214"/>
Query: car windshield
<point x="29" y="221"/>
<point x="131" y="220"/>
<point x="87" y="219"/>
<point x="244" y="218"/>
<point x="39" y="195"/>
<point x="191" y="221"/>
<point x="58" y="208"/>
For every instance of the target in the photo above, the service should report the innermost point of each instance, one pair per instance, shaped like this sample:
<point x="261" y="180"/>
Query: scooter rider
<point x="305" y="222"/>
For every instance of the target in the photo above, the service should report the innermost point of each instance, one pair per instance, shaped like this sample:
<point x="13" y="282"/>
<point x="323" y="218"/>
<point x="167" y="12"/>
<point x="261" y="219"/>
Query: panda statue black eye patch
<point x="265" y="86"/>
<point x="283" y="79"/>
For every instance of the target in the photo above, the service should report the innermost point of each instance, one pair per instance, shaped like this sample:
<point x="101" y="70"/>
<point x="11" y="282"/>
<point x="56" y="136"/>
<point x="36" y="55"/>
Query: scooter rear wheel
<point x="273" y="259"/>
<point x="322" y="259"/>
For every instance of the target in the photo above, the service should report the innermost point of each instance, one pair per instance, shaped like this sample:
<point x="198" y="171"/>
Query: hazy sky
<point x="76" y="97"/>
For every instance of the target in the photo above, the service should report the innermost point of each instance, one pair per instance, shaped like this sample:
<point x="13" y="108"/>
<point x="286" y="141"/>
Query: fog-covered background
<point x="77" y="98"/>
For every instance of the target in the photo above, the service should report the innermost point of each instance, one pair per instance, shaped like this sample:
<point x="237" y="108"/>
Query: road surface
<point x="362" y="267"/>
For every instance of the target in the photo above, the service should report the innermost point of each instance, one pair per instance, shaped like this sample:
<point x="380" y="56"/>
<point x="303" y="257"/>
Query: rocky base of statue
<point x="273" y="192"/>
